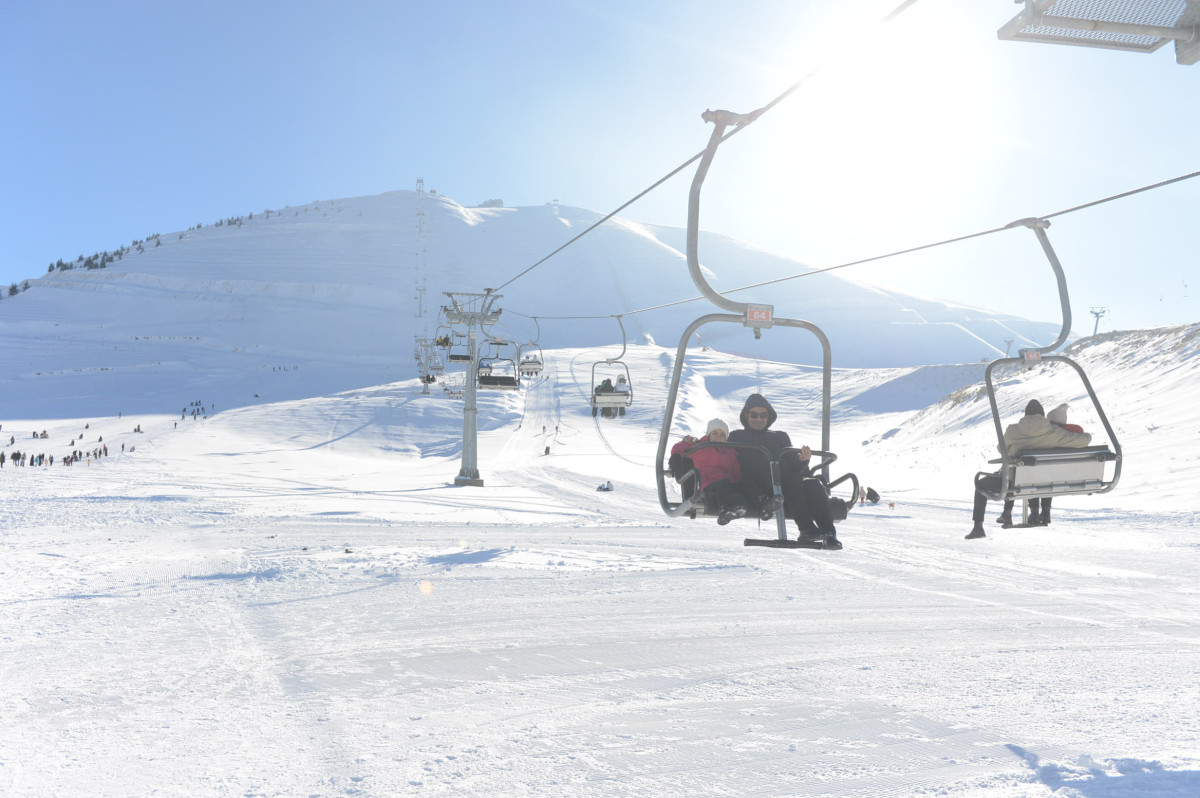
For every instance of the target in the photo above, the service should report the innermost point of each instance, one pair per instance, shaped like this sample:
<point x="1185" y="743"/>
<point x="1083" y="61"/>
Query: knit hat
<point x="717" y="423"/>
<point x="1058" y="415"/>
<point x="757" y="400"/>
<point x="1034" y="408"/>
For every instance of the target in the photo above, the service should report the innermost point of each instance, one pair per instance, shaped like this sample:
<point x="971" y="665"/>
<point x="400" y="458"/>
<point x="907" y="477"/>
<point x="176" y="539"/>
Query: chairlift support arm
<point x="1038" y="226"/>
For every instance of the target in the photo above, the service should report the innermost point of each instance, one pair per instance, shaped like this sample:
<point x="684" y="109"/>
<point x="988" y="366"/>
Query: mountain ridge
<point x="339" y="289"/>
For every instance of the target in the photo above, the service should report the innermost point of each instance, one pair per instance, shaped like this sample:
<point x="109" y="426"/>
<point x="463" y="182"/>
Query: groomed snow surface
<point x="292" y="599"/>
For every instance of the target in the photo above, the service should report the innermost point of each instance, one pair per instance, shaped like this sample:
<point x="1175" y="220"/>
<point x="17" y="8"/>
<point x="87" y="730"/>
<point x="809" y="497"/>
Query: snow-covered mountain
<point x="271" y="586"/>
<point x="305" y="301"/>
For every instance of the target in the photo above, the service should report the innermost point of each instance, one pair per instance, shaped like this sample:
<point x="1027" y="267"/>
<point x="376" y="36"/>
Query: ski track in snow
<point x="274" y="602"/>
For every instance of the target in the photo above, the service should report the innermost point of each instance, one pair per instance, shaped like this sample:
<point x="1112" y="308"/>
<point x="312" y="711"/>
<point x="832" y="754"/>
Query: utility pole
<point x="475" y="321"/>
<point x="1098" y="312"/>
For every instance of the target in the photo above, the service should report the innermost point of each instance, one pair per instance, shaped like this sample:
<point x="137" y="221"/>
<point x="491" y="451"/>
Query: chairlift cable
<point x="965" y="238"/>
<point x="746" y="121"/>
<point x="885" y="256"/>
<point x="1123" y="195"/>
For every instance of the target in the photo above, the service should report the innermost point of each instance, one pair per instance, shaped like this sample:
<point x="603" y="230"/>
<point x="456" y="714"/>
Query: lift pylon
<point x="474" y="311"/>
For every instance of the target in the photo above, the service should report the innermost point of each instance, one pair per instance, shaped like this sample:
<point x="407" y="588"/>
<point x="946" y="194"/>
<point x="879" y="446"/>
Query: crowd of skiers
<point x="19" y="459"/>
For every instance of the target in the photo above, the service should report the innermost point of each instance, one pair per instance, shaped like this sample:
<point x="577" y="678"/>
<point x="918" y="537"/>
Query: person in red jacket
<point x="720" y="472"/>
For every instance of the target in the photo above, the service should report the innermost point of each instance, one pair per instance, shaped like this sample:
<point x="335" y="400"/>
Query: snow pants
<point x="722" y="495"/>
<point x="806" y="501"/>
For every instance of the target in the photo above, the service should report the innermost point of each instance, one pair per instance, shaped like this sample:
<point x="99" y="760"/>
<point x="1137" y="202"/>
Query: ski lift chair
<point x="1052" y="472"/>
<point x="498" y="374"/>
<point x="698" y="505"/>
<point x="1046" y="473"/>
<point x="611" y="403"/>
<point x="683" y="470"/>
<point x="757" y="318"/>
<point x="531" y="366"/>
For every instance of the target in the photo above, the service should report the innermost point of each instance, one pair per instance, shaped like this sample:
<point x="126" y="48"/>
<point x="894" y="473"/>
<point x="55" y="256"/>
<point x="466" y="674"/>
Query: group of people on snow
<point x="736" y="480"/>
<point x="75" y="455"/>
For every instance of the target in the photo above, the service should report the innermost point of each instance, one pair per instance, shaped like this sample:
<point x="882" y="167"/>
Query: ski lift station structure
<point x="757" y="318"/>
<point x="1139" y="26"/>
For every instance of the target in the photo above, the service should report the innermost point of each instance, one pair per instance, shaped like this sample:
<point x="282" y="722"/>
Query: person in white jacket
<point x="1034" y="431"/>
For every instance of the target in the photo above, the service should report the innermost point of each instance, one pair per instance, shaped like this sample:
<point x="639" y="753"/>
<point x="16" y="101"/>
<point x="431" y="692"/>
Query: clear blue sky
<point x="125" y="119"/>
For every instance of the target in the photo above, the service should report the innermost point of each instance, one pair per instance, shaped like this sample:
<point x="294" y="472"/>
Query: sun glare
<point x="897" y="117"/>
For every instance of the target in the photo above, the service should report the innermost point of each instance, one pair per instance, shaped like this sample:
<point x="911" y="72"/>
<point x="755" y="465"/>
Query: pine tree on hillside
<point x="12" y="290"/>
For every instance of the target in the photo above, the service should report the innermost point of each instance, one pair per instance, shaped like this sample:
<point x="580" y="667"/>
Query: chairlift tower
<point x="1098" y="313"/>
<point x="474" y="311"/>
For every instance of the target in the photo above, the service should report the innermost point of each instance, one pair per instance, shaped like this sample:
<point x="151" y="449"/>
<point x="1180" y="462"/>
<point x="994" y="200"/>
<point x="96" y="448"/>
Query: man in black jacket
<point x="805" y="499"/>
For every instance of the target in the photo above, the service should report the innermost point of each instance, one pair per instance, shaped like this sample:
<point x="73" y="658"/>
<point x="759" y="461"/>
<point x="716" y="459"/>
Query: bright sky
<point x="126" y="119"/>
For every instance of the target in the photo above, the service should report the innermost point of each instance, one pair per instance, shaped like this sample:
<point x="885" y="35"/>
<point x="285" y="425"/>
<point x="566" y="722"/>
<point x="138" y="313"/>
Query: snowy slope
<point x="286" y="595"/>
<point x="333" y="291"/>
<point x="292" y="599"/>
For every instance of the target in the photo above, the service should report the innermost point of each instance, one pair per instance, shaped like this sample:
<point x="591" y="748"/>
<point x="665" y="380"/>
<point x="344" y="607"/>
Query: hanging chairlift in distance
<point x="1050" y="472"/>
<point x="757" y="318"/>
<point x="611" y="395"/>
<point x="459" y="350"/>
<point x="496" y="372"/>
<point x="531" y="364"/>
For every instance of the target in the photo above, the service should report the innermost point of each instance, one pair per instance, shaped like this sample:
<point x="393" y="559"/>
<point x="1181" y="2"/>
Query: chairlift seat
<point x="697" y="504"/>
<point x="498" y="381"/>
<point x="612" y="399"/>
<point x="1054" y="472"/>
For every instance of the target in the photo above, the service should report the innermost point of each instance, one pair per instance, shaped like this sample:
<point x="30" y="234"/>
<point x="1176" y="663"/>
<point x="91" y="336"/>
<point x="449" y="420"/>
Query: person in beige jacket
<point x="1033" y="432"/>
